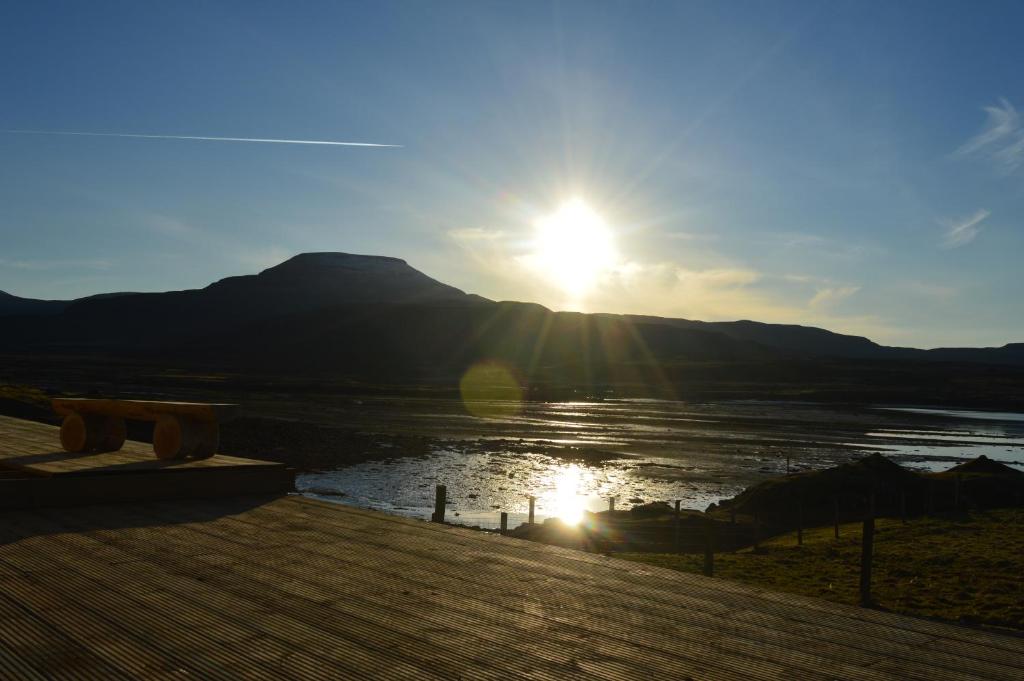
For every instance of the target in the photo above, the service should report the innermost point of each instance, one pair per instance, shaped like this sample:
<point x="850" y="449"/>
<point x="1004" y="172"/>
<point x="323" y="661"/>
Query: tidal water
<point x="650" y="451"/>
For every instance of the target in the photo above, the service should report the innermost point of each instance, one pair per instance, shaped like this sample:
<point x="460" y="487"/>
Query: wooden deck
<point x="297" y="588"/>
<point x="271" y="587"/>
<point x="35" y="471"/>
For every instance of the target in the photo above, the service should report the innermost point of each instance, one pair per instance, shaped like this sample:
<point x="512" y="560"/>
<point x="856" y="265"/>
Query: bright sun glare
<point x="568" y="505"/>
<point x="573" y="246"/>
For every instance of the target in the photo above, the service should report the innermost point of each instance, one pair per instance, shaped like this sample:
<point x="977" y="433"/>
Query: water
<point x="481" y="485"/>
<point x="573" y="456"/>
<point x="959" y="436"/>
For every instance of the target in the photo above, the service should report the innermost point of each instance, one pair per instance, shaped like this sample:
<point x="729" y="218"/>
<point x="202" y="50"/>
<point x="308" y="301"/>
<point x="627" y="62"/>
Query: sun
<point x="573" y="247"/>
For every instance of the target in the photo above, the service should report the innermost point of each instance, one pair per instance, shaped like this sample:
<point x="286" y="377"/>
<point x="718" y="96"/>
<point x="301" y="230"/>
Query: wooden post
<point x="835" y="512"/>
<point x="440" y="498"/>
<point x="504" y="522"/>
<point x="532" y="502"/>
<point x="903" y="506"/>
<point x="866" y="552"/>
<point x="709" y="548"/>
<point x="676" y="522"/>
<point x="611" y="504"/>
<point x="930" y="499"/>
<point x="799" y="521"/>
<point x="757" y="531"/>
<point x="956" y="492"/>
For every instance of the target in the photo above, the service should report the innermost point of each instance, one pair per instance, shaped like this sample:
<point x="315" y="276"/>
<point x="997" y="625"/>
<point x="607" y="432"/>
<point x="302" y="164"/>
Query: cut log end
<point x="92" y="432"/>
<point x="178" y="437"/>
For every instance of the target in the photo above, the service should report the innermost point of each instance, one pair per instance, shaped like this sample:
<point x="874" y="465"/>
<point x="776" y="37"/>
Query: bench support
<point x="177" y="437"/>
<point x="92" y="432"/>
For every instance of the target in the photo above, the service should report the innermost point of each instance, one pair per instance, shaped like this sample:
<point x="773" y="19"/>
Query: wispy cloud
<point x="1001" y="140"/>
<point x="56" y="264"/>
<point x="963" y="231"/>
<point x="823" y="246"/>
<point x="829" y="296"/>
<point x="475" y="234"/>
<point x="263" y="140"/>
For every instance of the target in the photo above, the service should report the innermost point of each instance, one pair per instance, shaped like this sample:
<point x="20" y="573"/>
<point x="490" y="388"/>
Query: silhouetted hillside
<point x="380" y="319"/>
<point x="11" y="306"/>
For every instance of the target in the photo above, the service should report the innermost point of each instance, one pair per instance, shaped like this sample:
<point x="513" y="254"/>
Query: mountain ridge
<point x="307" y="287"/>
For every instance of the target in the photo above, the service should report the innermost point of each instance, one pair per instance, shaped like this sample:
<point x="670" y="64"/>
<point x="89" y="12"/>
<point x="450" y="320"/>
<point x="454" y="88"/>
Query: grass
<point x="23" y="393"/>
<point x="967" y="568"/>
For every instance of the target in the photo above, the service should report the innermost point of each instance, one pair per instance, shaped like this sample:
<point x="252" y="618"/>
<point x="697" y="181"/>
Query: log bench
<point x="181" y="429"/>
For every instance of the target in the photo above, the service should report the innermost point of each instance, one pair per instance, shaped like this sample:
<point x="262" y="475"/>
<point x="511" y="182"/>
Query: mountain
<point x="800" y="340"/>
<point x="11" y="306"/>
<point x="306" y="282"/>
<point x="377" y="314"/>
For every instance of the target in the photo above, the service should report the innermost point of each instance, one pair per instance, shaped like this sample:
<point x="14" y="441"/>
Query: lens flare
<point x="491" y="390"/>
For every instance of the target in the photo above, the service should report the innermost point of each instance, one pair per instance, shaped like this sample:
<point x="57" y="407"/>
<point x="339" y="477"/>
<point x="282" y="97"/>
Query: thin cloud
<point x="200" y="138"/>
<point x="55" y="264"/>
<point x="475" y="234"/>
<point x="1002" y="138"/>
<point x="962" y="232"/>
<point x="830" y="296"/>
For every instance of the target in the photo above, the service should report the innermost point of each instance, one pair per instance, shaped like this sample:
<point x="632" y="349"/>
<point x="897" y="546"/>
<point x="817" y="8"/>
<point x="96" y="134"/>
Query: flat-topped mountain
<point x="313" y="279"/>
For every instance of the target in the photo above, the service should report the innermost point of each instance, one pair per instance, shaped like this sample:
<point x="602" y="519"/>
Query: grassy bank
<point x="961" y="568"/>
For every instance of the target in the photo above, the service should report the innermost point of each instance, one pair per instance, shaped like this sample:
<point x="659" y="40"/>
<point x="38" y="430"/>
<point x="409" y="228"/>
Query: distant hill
<point x="378" y="317"/>
<point x="11" y="306"/>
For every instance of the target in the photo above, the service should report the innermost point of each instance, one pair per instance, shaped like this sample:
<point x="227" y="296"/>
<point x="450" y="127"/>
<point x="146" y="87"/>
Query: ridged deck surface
<point x="290" y="587"/>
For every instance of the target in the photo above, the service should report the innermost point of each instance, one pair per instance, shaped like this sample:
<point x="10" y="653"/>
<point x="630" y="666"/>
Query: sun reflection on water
<point x="565" y="501"/>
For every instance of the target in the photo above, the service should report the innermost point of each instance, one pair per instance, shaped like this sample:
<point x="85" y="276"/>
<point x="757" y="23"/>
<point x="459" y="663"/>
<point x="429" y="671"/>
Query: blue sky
<point x="858" y="166"/>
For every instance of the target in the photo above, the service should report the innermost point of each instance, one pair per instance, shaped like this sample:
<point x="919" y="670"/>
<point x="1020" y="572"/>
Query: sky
<point x="852" y="165"/>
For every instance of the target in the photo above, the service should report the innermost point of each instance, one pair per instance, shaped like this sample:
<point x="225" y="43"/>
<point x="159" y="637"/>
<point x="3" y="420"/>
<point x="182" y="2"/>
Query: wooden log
<point x="176" y="437"/>
<point x="92" y="432"/>
<point x="145" y="410"/>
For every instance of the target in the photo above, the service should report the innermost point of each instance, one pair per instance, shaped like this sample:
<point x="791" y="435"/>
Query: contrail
<point x="197" y="137"/>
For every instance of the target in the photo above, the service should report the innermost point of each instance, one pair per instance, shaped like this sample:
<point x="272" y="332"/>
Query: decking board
<point x="271" y="587"/>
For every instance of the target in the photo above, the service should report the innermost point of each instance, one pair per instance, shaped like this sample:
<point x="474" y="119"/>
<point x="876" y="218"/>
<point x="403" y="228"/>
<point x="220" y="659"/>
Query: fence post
<point x="440" y="498"/>
<point x="533" y="499"/>
<point x="866" y="552"/>
<point x="799" y="521"/>
<point x="709" y="548"/>
<point x="504" y="522"/>
<point x="757" y="531"/>
<point x="611" y="504"/>
<point x="675" y="527"/>
<point x="835" y="509"/>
